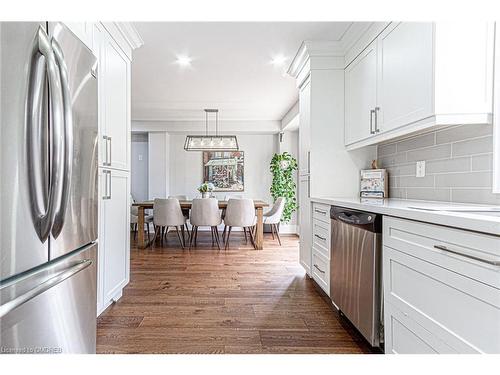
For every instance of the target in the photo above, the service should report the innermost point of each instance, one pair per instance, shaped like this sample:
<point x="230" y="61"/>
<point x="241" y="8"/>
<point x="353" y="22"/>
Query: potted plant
<point x="205" y="189"/>
<point x="282" y="168"/>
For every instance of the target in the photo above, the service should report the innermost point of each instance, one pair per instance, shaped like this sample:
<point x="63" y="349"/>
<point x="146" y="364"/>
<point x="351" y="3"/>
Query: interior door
<point x="406" y="75"/>
<point x="360" y="95"/>
<point x="76" y="222"/>
<point x="20" y="245"/>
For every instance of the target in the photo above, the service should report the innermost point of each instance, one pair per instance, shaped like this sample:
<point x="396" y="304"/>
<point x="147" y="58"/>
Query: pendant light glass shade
<point x="211" y="142"/>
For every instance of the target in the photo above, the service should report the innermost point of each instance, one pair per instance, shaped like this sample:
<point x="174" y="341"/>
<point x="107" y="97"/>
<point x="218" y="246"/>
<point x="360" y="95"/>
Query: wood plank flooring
<point x="236" y="301"/>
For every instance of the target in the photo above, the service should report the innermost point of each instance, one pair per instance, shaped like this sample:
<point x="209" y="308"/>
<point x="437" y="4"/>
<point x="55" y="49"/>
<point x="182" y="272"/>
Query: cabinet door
<point x="305" y="128"/>
<point x="360" y="95"/>
<point x="83" y="30"/>
<point x="116" y="104"/>
<point x="116" y="223"/>
<point x="305" y="224"/>
<point x="405" y="74"/>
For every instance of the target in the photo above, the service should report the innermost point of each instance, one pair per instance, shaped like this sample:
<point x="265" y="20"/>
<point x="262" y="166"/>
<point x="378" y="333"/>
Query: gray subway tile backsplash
<point x="459" y="165"/>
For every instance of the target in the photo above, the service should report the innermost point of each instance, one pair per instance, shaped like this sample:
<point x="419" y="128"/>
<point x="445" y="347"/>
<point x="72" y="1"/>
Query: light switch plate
<point x="420" y="168"/>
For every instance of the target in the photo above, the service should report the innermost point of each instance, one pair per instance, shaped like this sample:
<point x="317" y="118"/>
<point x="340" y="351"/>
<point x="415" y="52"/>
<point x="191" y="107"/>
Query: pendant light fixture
<point x="211" y="142"/>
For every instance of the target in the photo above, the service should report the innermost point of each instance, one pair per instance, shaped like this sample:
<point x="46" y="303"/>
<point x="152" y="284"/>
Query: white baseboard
<point x="288" y="229"/>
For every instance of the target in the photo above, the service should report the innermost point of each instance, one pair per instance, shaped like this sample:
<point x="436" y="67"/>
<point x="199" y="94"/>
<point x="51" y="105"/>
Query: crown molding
<point x="326" y="54"/>
<point x="130" y="34"/>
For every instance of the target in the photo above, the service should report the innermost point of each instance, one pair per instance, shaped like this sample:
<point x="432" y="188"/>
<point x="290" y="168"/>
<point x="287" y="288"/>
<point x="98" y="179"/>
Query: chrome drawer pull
<point x="321" y="238"/>
<point x="444" y="248"/>
<point x="319" y="269"/>
<point x="320" y="211"/>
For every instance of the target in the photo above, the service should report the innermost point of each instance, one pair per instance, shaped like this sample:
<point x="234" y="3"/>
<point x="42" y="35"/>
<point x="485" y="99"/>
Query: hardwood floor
<point x="236" y="301"/>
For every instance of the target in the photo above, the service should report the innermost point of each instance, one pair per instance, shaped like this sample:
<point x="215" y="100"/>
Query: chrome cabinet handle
<point x="43" y="209"/>
<point x="67" y="167"/>
<point x="377" y="130"/>
<point x="320" y="211"/>
<point x="321" y="238"/>
<point x="488" y="261"/>
<point x="107" y="185"/>
<point x="110" y="155"/>
<point x="319" y="269"/>
<point x="109" y="191"/>
<point x="308" y="161"/>
<point x="372" y="111"/>
<point x="46" y="285"/>
<point x="105" y="161"/>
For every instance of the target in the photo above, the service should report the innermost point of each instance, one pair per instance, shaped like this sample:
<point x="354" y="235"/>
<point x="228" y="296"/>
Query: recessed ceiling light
<point x="279" y="60"/>
<point x="183" y="60"/>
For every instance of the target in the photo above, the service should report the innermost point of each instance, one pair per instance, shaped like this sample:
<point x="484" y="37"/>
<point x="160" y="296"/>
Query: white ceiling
<point x="231" y="68"/>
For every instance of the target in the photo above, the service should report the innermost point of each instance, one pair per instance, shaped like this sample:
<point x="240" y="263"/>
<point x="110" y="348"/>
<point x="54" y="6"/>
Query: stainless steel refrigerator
<point x="48" y="196"/>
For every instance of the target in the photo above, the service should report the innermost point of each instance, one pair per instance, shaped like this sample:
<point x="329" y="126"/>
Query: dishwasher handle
<point x="348" y="219"/>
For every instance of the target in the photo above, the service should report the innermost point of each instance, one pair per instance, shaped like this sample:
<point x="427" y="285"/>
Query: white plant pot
<point x="205" y="195"/>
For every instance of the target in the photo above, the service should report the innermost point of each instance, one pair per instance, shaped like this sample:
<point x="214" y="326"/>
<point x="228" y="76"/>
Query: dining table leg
<point x="259" y="233"/>
<point x="140" y="231"/>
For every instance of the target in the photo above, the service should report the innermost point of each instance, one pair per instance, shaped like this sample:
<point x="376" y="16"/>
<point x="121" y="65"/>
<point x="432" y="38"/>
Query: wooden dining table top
<point x="188" y="203"/>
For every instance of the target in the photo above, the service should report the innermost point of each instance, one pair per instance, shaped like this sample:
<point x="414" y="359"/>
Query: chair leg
<point x="183" y="235"/>
<point x="213" y="238"/>
<point x="227" y="238"/>
<point x="191" y="239"/>
<point x="149" y="236"/>
<point x="224" y="234"/>
<point x="196" y="237"/>
<point x="187" y="230"/>
<point x="277" y="233"/>
<point x="252" y="238"/>
<point x="157" y="229"/>
<point x="216" y="235"/>
<point x="179" y="236"/>
<point x="272" y="231"/>
<point x="245" y="231"/>
<point x="135" y="231"/>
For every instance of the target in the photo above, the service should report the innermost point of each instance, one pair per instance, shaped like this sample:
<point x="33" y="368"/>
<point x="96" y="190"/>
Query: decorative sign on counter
<point x="374" y="183"/>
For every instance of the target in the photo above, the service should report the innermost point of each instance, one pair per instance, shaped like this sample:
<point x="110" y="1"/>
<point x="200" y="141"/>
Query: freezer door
<point x="52" y="310"/>
<point x="20" y="245"/>
<point x="75" y="223"/>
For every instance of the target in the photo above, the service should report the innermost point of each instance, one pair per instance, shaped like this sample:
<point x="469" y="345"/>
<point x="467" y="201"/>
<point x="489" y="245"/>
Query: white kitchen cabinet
<point x="305" y="238"/>
<point x="496" y="114"/>
<point x="405" y="75"/>
<point x="114" y="236"/>
<point x="305" y="128"/>
<point x="428" y="75"/>
<point x="83" y="30"/>
<point x="114" y="97"/>
<point x="361" y="95"/>
<point x="113" y="49"/>
<point x="441" y="289"/>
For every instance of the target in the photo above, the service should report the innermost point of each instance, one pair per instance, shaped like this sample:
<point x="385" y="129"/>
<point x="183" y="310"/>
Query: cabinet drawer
<point x="321" y="237"/>
<point x="464" y="252"/>
<point x="321" y="212"/>
<point x="405" y="336"/>
<point x="462" y="312"/>
<point x="321" y="271"/>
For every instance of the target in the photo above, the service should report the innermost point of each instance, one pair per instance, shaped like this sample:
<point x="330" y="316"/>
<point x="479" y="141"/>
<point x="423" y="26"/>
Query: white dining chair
<point x="167" y="213"/>
<point x="205" y="213"/>
<point x="184" y="212"/>
<point x="134" y="219"/>
<point x="273" y="216"/>
<point x="239" y="213"/>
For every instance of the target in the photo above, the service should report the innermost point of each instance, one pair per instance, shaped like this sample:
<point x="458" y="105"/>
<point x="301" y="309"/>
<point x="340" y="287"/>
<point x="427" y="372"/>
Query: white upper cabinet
<point x="360" y="94"/>
<point x="305" y="128"/>
<point x="427" y="74"/>
<point x="114" y="97"/>
<point x="404" y="86"/>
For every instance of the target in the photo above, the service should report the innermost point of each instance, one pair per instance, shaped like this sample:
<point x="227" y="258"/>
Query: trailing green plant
<point x="282" y="168"/>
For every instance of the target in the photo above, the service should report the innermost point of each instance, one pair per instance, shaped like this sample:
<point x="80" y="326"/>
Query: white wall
<point x="159" y="165"/>
<point x="139" y="169"/>
<point x="186" y="170"/>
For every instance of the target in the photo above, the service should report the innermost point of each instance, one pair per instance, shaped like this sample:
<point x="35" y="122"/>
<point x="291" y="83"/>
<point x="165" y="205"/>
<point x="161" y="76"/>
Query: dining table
<point x="186" y="205"/>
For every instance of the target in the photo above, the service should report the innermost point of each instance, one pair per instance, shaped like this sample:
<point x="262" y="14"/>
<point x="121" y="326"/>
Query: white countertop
<point x="485" y="222"/>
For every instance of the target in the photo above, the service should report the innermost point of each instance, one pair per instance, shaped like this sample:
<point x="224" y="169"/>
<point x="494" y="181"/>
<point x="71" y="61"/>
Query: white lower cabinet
<point x="114" y="237"/>
<point x="305" y="224"/>
<point x="441" y="289"/>
<point x="321" y="238"/>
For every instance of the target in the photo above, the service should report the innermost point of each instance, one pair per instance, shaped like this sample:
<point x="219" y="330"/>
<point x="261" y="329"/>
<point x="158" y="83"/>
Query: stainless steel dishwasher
<point x="355" y="269"/>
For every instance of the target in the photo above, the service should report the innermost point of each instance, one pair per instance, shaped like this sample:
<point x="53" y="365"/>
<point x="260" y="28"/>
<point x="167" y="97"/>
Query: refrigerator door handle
<point x="44" y="286"/>
<point x="42" y="209"/>
<point x="68" y="140"/>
